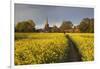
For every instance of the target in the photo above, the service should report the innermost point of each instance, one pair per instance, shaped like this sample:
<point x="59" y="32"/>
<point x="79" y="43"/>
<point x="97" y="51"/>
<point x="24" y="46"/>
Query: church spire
<point x="46" y="27"/>
<point x="47" y="20"/>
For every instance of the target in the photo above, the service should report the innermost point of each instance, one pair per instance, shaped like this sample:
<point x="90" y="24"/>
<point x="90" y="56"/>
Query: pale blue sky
<point x="56" y="14"/>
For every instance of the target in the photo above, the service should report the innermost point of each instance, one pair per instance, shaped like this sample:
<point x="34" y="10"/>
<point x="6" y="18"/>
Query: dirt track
<point x="73" y="53"/>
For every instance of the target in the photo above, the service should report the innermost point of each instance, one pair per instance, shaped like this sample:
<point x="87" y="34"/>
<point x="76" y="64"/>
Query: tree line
<point x="85" y="26"/>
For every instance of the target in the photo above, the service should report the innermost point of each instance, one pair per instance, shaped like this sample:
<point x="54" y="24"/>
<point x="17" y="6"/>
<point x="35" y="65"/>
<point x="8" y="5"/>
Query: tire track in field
<point x="73" y="53"/>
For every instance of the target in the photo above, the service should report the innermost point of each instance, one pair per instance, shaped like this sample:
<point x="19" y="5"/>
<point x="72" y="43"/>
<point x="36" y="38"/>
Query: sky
<point x="55" y="14"/>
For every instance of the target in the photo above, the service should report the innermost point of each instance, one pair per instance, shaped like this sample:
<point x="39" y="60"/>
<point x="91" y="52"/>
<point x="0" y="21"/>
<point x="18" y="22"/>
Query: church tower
<point x="46" y="27"/>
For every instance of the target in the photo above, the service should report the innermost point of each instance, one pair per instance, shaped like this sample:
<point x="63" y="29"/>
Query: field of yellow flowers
<point x="40" y="48"/>
<point x="85" y="44"/>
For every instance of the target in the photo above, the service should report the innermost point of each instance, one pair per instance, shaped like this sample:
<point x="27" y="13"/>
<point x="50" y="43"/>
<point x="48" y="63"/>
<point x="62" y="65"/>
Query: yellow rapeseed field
<point x="85" y="44"/>
<point x="39" y="48"/>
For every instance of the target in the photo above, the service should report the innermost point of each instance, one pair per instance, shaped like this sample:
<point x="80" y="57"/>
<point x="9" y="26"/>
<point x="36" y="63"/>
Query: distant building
<point x="40" y="30"/>
<point x="69" y="30"/>
<point x="76" y="29"/>
<point x="46" y="27"/>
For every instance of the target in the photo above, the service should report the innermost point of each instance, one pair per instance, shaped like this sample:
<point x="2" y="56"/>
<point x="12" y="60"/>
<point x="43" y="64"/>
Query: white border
<point x="12" y="35"/>
<point x="75" y="3"/>
<point x="57" y="3"/>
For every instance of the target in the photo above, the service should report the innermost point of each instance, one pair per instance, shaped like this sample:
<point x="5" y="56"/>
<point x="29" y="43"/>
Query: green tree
<point x="87" y="25"/>
<point x="25" y="26"/>
<point x="92" y="25"/>
<point x="66" y="25"/>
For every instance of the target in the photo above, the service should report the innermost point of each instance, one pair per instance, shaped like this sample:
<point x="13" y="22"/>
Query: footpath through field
<point x="73" y="53"/>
